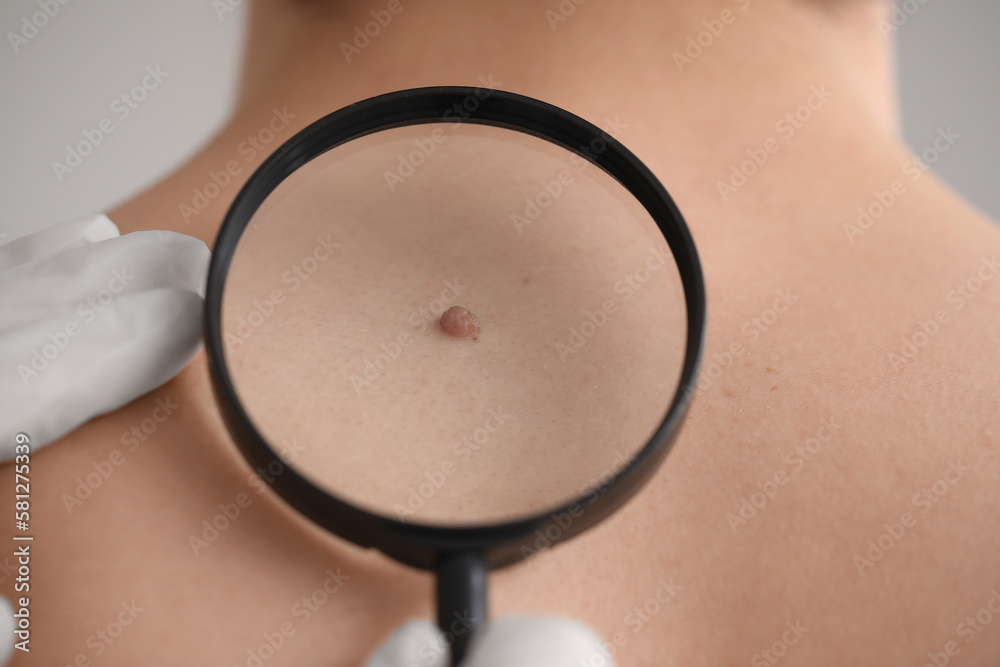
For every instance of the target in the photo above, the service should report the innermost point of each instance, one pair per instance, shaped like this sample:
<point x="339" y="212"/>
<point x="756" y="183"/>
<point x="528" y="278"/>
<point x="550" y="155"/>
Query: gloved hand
<point x="512" y="641"/>
<point x="92" y="320"/>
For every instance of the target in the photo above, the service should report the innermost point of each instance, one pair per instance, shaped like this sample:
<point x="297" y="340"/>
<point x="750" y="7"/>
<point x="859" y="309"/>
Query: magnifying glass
<point x="460" y="324"/>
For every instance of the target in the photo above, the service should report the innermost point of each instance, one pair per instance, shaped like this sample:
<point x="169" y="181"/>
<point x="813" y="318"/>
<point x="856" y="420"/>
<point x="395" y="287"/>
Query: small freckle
<point x="460" y="322"/>
<point x="770" y="370"/>
<point x="774" y="389"/>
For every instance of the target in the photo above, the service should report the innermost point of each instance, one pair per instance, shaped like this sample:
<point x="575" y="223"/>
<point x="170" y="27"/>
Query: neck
<point x="691" y="87"/>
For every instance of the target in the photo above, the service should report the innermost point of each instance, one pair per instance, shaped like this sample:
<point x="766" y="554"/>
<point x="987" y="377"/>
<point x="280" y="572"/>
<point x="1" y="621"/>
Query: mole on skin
<point x="461" y="322"/>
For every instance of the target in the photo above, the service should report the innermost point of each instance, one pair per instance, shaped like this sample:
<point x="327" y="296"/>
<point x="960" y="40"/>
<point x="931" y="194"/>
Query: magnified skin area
<point x="460" y="322"/>
<point x="526" y="418"/>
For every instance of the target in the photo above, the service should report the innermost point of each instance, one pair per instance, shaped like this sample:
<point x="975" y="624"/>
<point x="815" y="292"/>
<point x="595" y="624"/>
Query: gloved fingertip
<point x="6" y="630"/>
<point x="414" y="644"/>
<point x="536" y="641"/>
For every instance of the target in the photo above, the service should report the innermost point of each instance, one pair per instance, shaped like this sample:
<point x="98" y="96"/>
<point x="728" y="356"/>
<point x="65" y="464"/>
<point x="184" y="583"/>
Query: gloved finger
<point x="56" y="239"/>
<point x="415" y="644"/>
<point x="536" y="641"/>
<point x="7" y="628"/>
<point x="92" y="320"/>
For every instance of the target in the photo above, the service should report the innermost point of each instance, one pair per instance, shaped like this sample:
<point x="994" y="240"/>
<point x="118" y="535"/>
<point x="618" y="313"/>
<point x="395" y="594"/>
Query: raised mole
<point x="461" y="322"/>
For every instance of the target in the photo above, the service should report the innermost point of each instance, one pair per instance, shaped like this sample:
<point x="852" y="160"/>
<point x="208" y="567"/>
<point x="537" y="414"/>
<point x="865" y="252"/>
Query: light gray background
<point x="66" y="77"/>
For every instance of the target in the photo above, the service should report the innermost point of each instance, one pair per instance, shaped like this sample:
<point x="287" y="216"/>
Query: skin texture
<point x="669" y="579"/>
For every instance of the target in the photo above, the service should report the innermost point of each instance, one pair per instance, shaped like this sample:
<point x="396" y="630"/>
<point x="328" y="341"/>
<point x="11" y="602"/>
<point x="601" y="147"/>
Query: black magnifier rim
<point x="416" y="544"/>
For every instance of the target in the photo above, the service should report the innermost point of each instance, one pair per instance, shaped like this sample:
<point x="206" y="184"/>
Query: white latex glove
<point x="512" y="641"/>
<point x="7" y="627"/>
<point x="90" y="321"/>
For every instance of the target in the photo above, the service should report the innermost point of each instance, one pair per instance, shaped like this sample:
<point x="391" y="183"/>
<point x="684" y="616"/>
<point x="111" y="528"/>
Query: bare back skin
<point x="834" y="496"/>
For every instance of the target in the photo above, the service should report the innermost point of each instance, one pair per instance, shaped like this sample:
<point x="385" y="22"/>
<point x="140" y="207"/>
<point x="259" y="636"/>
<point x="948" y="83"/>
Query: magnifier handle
<point x="461" y="599"/>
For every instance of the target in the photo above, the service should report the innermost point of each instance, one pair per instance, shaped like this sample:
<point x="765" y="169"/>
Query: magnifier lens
<point x="557" y="372"/>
